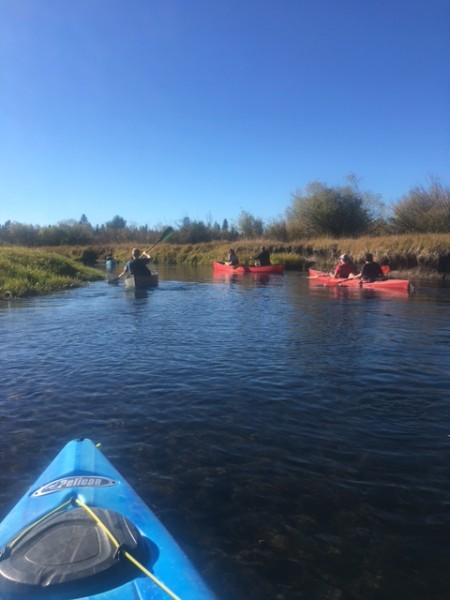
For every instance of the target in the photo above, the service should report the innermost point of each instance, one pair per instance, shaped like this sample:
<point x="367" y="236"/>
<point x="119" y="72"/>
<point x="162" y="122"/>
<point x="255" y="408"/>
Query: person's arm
<point x="126" y="269"/>
<point x="361" y="273"/>
<point x="356" y="275"/>
<point x="335" y="274"/>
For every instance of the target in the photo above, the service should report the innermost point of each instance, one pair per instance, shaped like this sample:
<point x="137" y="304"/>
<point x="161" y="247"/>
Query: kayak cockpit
<point x="69" y="551"/>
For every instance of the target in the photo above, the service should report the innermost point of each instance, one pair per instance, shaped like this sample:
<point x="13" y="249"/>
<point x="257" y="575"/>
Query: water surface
<point x="295" y="440"/>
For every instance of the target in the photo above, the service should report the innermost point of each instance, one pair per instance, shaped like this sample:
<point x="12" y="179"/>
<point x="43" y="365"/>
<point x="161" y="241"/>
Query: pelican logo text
<point x="67" y="483"/>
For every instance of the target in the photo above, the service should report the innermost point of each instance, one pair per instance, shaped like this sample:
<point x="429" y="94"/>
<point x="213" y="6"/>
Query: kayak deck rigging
<point x="82" y="533"/>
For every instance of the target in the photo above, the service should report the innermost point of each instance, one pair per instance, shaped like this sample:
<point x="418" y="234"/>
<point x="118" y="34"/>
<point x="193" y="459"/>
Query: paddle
<point x="345" y="283"/>
<point x="162" y="238"/>
<point x="112" y="279"/>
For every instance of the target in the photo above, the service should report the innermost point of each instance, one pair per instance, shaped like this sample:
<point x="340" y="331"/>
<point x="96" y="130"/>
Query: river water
<point x="295" y="440"/>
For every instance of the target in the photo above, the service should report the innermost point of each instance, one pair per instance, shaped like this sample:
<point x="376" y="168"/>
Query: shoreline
<point x="27" y="272"/>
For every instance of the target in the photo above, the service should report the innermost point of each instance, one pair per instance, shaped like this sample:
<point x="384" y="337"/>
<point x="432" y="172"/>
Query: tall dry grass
<point x="424" y="255"/>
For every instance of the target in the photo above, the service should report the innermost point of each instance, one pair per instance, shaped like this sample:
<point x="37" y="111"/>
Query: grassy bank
<point x="25" y="272"/>
<point x="426" y="255"/>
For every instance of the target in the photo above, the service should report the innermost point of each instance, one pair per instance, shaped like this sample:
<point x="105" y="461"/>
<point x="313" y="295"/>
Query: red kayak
<point x="241" y="269"/>
<point x="321" y="278"/>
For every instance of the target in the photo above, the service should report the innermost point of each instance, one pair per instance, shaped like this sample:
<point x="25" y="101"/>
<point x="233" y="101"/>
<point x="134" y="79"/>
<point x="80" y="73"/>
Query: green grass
<point x="25" y="272"/>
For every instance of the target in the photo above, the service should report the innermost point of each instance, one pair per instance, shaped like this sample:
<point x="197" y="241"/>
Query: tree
<point x="193" y="232"/>
<point x="13" y="232"/>
<point x="84" y="220"/>
<point x="276" y="230"/>
<point x="116" y="223"/>
<point x="116" y="229"/>
<point x="424" y="209"/>
<point x="331" y="211"/>
<point x="249" y="227"/>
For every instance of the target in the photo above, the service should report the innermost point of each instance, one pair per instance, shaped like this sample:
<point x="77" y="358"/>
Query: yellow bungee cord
<point x="113" y="540"/>
<point x="131" y="558"/>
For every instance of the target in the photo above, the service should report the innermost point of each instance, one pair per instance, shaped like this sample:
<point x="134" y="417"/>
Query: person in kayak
<point x="232" y="259"/>
<point x="138" y="264"/>
<point x="371" y="270"/>
<point x="345" y="268"/>
<point x="110" y="262"/>
<point x="262" y="259"/>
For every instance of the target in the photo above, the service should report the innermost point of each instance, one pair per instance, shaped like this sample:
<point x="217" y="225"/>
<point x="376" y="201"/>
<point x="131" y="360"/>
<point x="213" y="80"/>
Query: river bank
<point x="25" y="271"/>
<point x="426" y="255"/>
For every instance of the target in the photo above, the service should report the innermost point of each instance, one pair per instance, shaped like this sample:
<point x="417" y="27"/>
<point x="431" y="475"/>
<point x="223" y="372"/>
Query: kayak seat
<point x="70" y="549"/>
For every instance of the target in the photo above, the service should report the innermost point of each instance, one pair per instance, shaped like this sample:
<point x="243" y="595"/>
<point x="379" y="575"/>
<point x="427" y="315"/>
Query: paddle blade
<point x="166" y="234"/>
<point x="163" y="237"/>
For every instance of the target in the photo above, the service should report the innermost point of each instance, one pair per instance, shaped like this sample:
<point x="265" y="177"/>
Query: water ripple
<point x="295" y="440"/>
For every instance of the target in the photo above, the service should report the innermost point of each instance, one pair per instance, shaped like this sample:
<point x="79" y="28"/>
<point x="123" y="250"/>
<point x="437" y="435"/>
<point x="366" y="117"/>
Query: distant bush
<point x="424" y="210"/>
<point x="89" y="257"/>
<point x="331" y="211"/>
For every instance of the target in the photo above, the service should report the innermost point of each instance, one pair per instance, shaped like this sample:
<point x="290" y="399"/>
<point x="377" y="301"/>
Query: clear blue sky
<point x="156" y="110"/>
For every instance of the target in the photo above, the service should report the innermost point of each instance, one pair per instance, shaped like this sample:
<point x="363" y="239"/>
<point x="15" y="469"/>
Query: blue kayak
<point x="81" y="532"/>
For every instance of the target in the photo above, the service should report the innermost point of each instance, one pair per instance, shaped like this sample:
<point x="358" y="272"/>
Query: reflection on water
<point x="295" y="440"/>
<point x="248" y="280"/>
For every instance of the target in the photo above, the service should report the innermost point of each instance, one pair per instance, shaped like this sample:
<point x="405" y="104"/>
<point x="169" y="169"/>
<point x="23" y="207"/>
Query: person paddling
<point x="232" y="259"/>
<point x="262" y="259"/>
<point x="110" y="262"/>
<point x="345" y="268"/>
<point x="137" y="266"/>
<point x="371" y="270"/>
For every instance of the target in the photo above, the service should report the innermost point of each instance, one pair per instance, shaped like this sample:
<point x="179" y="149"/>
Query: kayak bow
<point x="82" y="533"/>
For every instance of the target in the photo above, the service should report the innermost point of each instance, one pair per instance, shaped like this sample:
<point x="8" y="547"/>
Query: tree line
<point x="317" y="211"/>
